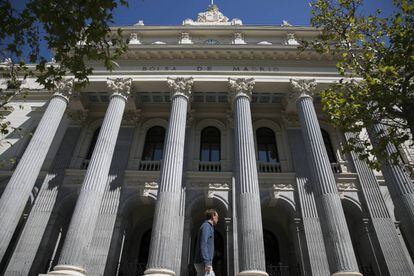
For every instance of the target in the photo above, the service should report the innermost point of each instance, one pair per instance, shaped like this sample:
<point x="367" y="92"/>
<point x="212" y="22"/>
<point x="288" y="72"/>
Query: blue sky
<point x="262" y="12"/>
<point x="251" y="12"/>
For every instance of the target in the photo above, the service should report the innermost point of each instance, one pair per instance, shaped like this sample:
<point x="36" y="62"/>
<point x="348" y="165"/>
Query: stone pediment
<point x="212" y="17"/>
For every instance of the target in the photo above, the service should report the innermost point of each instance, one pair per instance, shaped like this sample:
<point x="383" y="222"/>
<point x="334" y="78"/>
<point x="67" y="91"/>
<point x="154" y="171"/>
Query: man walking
<point x="204" y="253"/>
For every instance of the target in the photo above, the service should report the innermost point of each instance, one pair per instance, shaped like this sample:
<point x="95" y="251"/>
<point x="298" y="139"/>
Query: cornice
<point x="221" y="52"/>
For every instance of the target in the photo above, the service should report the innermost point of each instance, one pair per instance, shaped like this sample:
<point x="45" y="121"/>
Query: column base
<point x="159" y="272"/>
<point x="347" y="273"/>
<point x="69" y="270"/>
<point x="252" y="273"/>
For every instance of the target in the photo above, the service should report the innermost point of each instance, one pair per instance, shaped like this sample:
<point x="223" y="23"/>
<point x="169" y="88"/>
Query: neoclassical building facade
<point x="208" y="114"/>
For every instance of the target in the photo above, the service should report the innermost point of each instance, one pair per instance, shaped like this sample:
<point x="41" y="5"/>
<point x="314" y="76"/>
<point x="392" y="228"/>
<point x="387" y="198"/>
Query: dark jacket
<point x="204" y="251"/>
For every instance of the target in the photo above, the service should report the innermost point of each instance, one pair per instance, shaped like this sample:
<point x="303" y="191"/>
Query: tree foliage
<point x="375" y="57"/>
<point x="77" y="31"/>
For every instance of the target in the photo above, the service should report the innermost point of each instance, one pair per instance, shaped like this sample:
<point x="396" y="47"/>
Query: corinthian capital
<point x="180" y="86"/>
<point x="241" y="87"/>
<point x="120" y="86"/>
<point x="302" y="88"/>
<point x="64" y="88"/>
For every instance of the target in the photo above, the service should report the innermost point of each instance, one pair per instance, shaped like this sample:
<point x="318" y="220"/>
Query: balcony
<point x="150" y="165"/>
<point x="209" y="166"/>
<point x="267" y="167"/>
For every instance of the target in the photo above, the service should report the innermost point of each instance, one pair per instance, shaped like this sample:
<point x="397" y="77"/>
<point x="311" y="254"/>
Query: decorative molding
<point x="139" y="23"/>
<point x="64" y="88"/>
<point x="134" y="39"/>
<point x="347" y="187"/>
<point x="302" y="88"/>
<point x="185" y="38"/>
<point x="291" y="40"/>
<point x="285" y="24"/>
<point x="241" y="87"/>
<point x="264" y="42"/>
<point x="218" y="186"/>
<point x="283" y="187"/>
<point x="120" y="86"/>
<point x="212" y="17"/>
<point x="275" y="192"/>
<point x="180" y="86"/>
<point x="238" y="39"/>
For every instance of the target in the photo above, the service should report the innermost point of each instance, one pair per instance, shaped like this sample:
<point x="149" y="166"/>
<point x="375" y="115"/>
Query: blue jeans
<point x="201" y="272"/>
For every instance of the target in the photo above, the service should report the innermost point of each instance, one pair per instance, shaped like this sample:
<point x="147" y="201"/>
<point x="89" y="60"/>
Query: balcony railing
<point x="277" y="270"/>
<point x="336" y="167"/>
<point x="209" y="166"/>
<point x="267" y="167"/>
<point x="150" y="165"/>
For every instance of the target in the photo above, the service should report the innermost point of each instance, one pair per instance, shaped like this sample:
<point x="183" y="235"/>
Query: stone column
<point x="341" y="256"/>
<point x="392" y="257"/>
<point x="251" y="246"/>
<point x="400" y="186"/>
<point x="76" y="246"/>
<point x="165" y="230"/>
<point x="17" y="192"/>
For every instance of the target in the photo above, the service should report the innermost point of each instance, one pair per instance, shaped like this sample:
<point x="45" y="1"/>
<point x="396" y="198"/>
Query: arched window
<point x="266" y="145"/>
<point x="210" y="144"/>
<point x="154" y="144"/>
<point x="91" y="148"/>
<point x="328" y="146"/>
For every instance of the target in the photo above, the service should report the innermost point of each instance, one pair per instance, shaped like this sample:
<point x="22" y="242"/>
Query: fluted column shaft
<point x="251" y="246"/>
<point x="18" y="190"/>
<point x="337" y="240"/>
<point x="165" y="231"/>
<point x="396" y="261"/>
<point x="400" y="186"/>
<point x="87" y="206"/>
